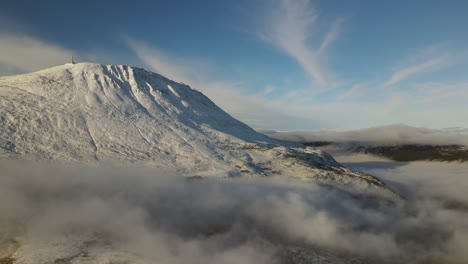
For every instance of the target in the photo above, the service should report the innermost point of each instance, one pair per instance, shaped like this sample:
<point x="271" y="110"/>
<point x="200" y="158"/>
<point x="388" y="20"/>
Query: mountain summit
<point x="94" y="113"/>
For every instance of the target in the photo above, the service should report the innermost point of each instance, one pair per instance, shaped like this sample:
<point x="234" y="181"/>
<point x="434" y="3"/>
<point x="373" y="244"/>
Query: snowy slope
<point x="97" y="113"/>
<point x="94" y="113"/>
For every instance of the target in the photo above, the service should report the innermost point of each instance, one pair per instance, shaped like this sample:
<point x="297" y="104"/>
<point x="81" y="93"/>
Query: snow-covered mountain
<point x="97" y="113"/>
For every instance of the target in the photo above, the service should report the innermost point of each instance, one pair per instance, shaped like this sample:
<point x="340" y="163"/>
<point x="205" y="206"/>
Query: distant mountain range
<point x="396" y="142"/>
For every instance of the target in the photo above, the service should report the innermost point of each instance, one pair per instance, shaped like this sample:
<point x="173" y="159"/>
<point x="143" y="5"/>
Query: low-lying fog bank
<point x="384" y="135"/>
<point x="87" y="215"/>
<point x="396" y="142"/>
<point x="444" y="180"/>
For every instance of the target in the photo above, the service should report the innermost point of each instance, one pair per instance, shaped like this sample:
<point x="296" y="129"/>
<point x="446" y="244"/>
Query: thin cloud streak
<point x="22" y="53"/>
<point x="331" y="35"/>
<point x="299" y="109"/>
<point x="413" y="70"/>
<point x="289" y="26"/>
<point x="291" y="109"/>
<point x="169" y="66"/>
<point x="258" y="111"/>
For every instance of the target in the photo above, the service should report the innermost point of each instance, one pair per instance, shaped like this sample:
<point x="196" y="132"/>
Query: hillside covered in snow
<point x="96" y="113"/>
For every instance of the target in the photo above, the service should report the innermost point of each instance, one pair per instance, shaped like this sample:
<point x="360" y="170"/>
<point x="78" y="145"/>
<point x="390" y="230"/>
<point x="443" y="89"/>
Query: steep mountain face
<point x="95" y="113"/>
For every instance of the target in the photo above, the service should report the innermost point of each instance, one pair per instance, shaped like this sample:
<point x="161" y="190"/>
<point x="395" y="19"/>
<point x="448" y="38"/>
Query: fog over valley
<point x="73" y="213"/>
<point x="233" y="132"/>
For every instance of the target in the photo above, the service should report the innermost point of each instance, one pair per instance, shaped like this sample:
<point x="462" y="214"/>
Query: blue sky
<point x="278" y="64"/>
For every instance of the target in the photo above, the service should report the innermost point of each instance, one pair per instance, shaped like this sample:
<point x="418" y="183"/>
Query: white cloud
<point x="384" y="135"/>
<point x="21" y="53"/>
<point x="55" y="212"/>
<point x="424" y="104"/>
<point x="25" y="53"/>
<point x="256" y="109"/>
<point x="289" y="25"/>
<point x="416" y="69"/>
<point x="331" y="35"/>
<point x="186" y="70"/>
<point x="428" y="104"/>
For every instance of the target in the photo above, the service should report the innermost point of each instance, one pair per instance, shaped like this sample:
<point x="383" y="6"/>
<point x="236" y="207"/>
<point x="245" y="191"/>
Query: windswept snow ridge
<point x="98" y="113"/>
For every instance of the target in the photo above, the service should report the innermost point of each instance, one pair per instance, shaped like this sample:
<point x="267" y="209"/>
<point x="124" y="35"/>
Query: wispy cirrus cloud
<point x="410" y="71"/>
<point x="277" y="106"/>
<point x="331" y="35"/>
<point x="300" y="109"/>
<point x="256" y="109"/>
<point x="22" y="53"/>
<point x="290" y="25"/>
<point x="186" y="70"/>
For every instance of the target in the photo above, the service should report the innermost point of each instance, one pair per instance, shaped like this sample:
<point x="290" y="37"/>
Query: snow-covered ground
<point x="119" y="114"/>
